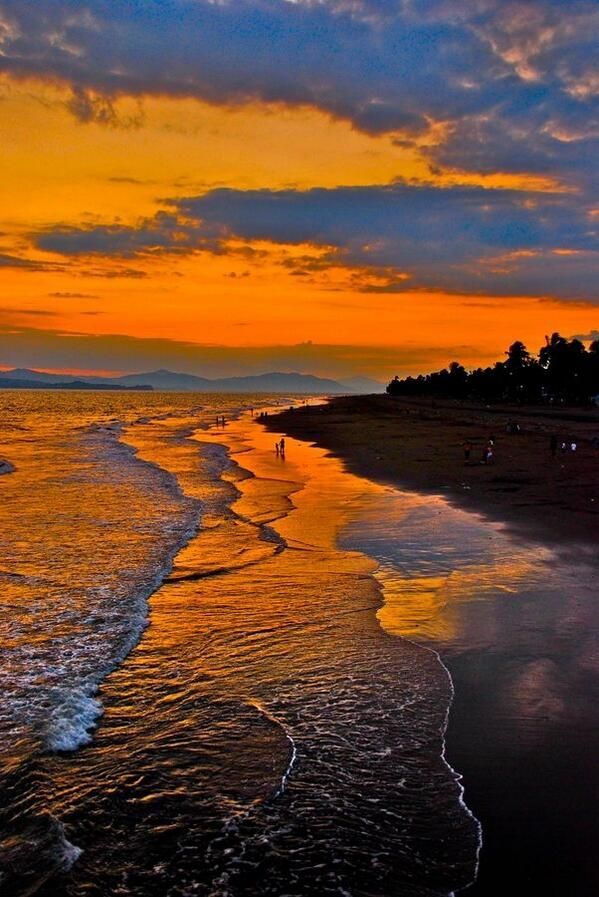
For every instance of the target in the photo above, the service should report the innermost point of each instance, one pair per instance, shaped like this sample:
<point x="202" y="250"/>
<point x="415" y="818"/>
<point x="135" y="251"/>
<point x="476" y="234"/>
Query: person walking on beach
<point x="282" y="446"/>
<point x="277" y="449"/>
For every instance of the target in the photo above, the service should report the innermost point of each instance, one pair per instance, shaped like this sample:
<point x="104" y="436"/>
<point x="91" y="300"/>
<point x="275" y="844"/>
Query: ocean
<point x="208" y="687"/>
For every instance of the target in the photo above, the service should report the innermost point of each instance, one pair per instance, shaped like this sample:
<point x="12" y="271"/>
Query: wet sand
<point x="519" y="633"/>
<point x="419" y="444"/>
<point x="266" y="735"/>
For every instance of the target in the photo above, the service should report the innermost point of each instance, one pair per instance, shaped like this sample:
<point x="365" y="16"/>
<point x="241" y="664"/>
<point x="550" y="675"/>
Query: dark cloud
<point x="34" y="312"/>
<point x="112" y="273"/>
<point x="457" y="239"/>
<point x="13" y="261"/>
<point x="164" y="231"/>
<point x="101" y="110"/>
<point x="70" y="295"/>
<point x="124" y="179"/>
<point x="55" y="349"/>
<point x="587" y="337"/>
<point x="515" y="80"/>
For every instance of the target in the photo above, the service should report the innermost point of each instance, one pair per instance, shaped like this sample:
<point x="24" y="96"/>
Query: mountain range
<point x="276" y="382"/>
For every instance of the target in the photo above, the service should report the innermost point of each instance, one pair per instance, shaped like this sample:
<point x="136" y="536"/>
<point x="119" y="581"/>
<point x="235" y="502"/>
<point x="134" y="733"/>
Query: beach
<point x="419" y="444"/>
<point x="230" y="670"/>
<point x="199" y="697"/>
<point x="510" y="607"/>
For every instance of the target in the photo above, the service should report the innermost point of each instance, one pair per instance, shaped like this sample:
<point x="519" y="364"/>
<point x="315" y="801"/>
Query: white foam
<point x="292" y="745"/>
<point x="72" y="721"/>
<point x="455" y="774"/>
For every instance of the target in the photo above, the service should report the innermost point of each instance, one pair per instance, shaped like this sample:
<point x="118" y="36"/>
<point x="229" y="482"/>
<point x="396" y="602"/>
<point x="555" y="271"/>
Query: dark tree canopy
<point x="563" y="372"/>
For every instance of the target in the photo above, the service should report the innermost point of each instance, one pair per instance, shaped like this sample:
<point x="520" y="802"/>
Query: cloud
<point x="70" y="295"/>
<point x="513" y="80"/>
<point x="89" y="107"/>
<point x="591" y="336"/>
<point x="57" y="349"/>
<point x="35" y="312"/>
<point x="456" y="239"/>
<point x="13" y="261"/>
<point x="112" y="273"/>
<point x="164" y="231"/>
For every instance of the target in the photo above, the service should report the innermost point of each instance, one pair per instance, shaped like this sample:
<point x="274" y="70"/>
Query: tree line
<point x="563" y="372"/>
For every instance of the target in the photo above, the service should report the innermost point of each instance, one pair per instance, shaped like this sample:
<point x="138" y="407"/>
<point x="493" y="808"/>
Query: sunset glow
<point x="395" y="230"/>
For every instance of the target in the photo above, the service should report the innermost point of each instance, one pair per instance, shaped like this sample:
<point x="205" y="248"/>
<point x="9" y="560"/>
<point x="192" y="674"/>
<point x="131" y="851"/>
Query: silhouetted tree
<point x="564" y="371"/>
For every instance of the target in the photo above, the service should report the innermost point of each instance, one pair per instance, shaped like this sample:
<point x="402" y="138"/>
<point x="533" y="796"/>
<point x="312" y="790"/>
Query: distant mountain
<point x="178" y="382"/>
<point x="38" y="376"/>
<point x="168" y="380"/>
<point x="18" y="383"/>
<point x="278" y="382"/>
<point x="363" y="385"/>
<point x="275" y="382"/>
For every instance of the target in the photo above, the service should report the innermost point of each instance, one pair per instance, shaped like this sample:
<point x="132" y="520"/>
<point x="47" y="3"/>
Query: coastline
<point x="419" y="445"/>
<point x="522" y="730"/>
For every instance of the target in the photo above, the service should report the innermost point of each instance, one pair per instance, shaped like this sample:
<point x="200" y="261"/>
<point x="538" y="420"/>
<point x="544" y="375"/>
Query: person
<point x="553" y="444"/>
<point x="277" y="449"/>
<point x="467" y="449"/>
<point x="573" y="446"/>
<point x="282" y="445"/>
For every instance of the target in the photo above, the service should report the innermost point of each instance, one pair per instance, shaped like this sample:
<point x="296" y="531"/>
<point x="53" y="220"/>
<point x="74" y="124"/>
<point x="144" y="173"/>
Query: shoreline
<point x="419" y="445"/>
<point x="520" y="728"/>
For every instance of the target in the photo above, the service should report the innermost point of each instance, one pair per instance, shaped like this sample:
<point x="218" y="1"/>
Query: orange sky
<point x="59" y="171"/>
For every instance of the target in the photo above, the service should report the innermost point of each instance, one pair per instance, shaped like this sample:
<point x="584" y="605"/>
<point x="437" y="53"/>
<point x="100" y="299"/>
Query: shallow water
<point x="518" y="628"/>
<point x="272" y="731"/>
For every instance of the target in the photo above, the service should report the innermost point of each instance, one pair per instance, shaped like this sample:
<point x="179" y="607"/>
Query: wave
<point x="289" y="737"/>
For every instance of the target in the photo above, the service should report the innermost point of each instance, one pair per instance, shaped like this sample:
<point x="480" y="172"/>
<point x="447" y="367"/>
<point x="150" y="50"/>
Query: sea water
<point x="200" y="693"/>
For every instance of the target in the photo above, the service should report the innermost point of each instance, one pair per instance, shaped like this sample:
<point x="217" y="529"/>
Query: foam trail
<point x="292" y="745"/>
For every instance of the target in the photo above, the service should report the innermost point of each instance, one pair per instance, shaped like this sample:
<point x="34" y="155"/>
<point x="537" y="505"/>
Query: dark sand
<point x="537" y="802"/>
<point x="419" y="444"/>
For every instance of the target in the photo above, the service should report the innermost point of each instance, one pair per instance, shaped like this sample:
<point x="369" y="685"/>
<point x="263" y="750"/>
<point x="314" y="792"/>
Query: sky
<point x="338" y="187"/>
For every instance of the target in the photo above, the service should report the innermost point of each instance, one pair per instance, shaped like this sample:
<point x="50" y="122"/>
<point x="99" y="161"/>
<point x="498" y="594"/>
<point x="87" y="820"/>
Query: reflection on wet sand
<point x="266" y="735"/>
<point x="518" y="628"/>
<point x="273" y="733"/>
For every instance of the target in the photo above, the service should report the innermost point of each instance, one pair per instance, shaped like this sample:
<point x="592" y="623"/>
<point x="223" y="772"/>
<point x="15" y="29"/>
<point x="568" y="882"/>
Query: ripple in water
<point x="265" y="736"/>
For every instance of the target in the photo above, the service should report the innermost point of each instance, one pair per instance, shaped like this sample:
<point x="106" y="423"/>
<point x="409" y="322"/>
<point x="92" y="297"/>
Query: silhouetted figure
<point x="277" y="449"/>
<point x="282" y="445"/>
